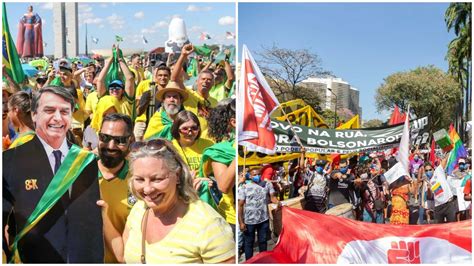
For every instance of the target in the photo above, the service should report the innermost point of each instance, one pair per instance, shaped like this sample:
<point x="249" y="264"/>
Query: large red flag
<point x="257" y="102"/>
<point x="309" y="237"/>
<point x="396" y="117"/>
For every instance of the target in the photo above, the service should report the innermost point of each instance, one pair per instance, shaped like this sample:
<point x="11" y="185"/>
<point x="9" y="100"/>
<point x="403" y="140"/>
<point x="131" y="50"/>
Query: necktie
<point x="57" y="160"/>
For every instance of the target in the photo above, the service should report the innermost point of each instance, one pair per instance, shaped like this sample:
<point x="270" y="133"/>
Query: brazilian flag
<point x="10" y="55"/>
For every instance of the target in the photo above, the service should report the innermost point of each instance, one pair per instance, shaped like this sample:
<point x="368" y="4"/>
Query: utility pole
<point x="87" y="54"/>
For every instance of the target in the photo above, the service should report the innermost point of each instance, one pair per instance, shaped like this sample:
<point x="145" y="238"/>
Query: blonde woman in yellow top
<point x="168" y="224"/>
<point x="186" y="132"/>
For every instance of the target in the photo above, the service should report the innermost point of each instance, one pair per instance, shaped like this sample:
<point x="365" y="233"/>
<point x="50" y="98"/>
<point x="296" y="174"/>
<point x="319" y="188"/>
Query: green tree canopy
<point x="373" y="123"/>
<point x="428" y="90"/>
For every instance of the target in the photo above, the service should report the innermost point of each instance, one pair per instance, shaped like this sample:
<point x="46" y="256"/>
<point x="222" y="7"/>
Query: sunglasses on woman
<point x="115" y="88"/>
<point x="120" y="140"/>
<point x="186" y="130"/>
<point x="154" y="144"/>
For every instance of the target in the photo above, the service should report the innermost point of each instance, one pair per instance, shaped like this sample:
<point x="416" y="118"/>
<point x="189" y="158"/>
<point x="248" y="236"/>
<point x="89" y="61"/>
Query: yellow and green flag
<point x="9" y="54"/>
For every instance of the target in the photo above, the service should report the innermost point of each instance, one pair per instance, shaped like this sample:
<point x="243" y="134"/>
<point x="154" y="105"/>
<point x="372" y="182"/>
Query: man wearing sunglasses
<point x="115" y="137"/>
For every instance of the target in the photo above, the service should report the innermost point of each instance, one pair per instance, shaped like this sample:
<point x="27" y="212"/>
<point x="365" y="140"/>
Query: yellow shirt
<point x="193" y="103"/>
<point x="116" y="193"/>
<point x="126" y="105"/>
<point x="201" y="236"/>
<point x="142" y="87"/>
<point x="79" y="116"/>
<point x="91" y="102"/>
<point x="192" y="155"/>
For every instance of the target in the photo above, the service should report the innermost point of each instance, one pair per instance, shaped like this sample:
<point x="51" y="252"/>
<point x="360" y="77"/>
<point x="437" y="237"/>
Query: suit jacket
<point x="71" y="232"/>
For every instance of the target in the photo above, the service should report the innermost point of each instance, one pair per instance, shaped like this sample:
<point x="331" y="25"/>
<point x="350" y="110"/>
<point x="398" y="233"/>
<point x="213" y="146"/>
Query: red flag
<point x="396" y="117"/>
<point x="309" y="237"/>
<point x="258" y="102"/>
<point x="432" y="157"/>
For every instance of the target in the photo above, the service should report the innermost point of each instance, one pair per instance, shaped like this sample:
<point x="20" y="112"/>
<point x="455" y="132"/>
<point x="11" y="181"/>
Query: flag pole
<point x="245" y="158"/>
<point x="291" y="126"/>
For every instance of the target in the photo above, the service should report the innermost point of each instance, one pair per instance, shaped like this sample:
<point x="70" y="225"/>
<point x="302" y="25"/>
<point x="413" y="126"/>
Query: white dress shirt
<point x="49" y="151"/>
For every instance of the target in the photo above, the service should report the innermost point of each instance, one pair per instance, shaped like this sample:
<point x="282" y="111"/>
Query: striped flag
<point x="118" y="38"/>
<point x="457" y="152"/>
<point x="145" y="41"/>
<point x="9" y="53"/>
<point x="95" y="40"/>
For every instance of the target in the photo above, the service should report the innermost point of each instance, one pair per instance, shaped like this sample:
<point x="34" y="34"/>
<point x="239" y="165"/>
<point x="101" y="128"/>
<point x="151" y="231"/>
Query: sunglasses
<point x="115" y="88"/>
<point x="120" y="140"/>
<point x="428" y="170"/>
<point x="154" y="144"/>
<point x="186" y="130"/>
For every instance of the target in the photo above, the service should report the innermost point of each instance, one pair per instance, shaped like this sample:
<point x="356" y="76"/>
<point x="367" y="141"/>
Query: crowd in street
<point x="354" y="187"/>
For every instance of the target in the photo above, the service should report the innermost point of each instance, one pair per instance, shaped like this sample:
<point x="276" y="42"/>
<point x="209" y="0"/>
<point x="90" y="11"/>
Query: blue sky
<point x="360" y="42"/>
<point x="132" y="20"/>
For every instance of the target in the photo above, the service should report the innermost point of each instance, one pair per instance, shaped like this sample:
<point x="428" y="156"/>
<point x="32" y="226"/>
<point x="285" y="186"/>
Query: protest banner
<point x="310" y="237"/>
<point x="305" y="116"/>
<point x="325" y="141"/>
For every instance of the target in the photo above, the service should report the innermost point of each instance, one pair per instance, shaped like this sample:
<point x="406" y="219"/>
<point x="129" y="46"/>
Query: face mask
<point x="416" y="158"/>
<point x="429" y="174"/>
<point x="319" y="170"/>
<point x="256" y="179"/>
<point x="462" y="167"/>
<point x="343" y="170"/>
<point x="247" y="175"/>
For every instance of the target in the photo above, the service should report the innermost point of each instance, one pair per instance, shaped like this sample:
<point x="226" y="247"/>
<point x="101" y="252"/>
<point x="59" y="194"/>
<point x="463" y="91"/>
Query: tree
<point x="428" y="90"/>
<point x="284" y="69"/>
<point x="344" y="114"/>
<point x="458" y="17"/>
<point x="373" y="123"/>
<point x="328" y="116"/>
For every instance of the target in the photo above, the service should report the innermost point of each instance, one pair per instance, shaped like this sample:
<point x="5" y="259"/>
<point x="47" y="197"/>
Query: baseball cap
<point x="116" y="83"/>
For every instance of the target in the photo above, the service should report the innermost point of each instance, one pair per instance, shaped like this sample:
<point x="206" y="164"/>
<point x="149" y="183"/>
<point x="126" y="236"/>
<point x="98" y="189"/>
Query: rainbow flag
<point x="457" y="152"/>
<point x="9" y="54"/>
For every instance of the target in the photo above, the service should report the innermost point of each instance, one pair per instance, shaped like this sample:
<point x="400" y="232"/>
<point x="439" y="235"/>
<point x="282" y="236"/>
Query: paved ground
<point x="270" y="245"/>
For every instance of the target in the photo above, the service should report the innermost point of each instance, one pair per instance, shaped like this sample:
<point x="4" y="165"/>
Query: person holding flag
<point x="111" y="80"/>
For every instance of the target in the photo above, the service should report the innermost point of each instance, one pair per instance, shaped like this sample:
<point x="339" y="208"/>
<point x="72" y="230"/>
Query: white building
<point x="347" y="96"/>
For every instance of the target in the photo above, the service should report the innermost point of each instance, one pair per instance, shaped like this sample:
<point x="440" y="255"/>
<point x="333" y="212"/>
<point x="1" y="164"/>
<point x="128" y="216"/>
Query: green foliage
<point x="428" y="90"/>
<point x="373" y="123"/>
<point x="328" y="116"/>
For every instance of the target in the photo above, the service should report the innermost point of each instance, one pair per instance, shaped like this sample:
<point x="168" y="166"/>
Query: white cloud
<point x="47" y="6"/>
<point x="227" y="20"/>
<point x="86" y="15"/>
<point x="84" y="8"/>
<point x="101" y="26"/>
<point x="153" y="29"/>
<point x="117" y="22"/>
<point x="196" y="29"/>
<point x="139" y="15"/>
<point x="193" y="8"/>
<point x="161" y="24"/>
<point x="104" y="5"/>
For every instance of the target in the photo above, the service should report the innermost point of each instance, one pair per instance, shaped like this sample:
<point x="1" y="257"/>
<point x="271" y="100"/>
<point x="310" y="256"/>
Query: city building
<point x="66" y="31"/>
<point x="332" y="89"/>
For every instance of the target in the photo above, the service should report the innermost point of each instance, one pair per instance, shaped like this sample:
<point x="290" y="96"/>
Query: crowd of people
<point x="354" y="187"/>
<point x="129" y="159"/>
